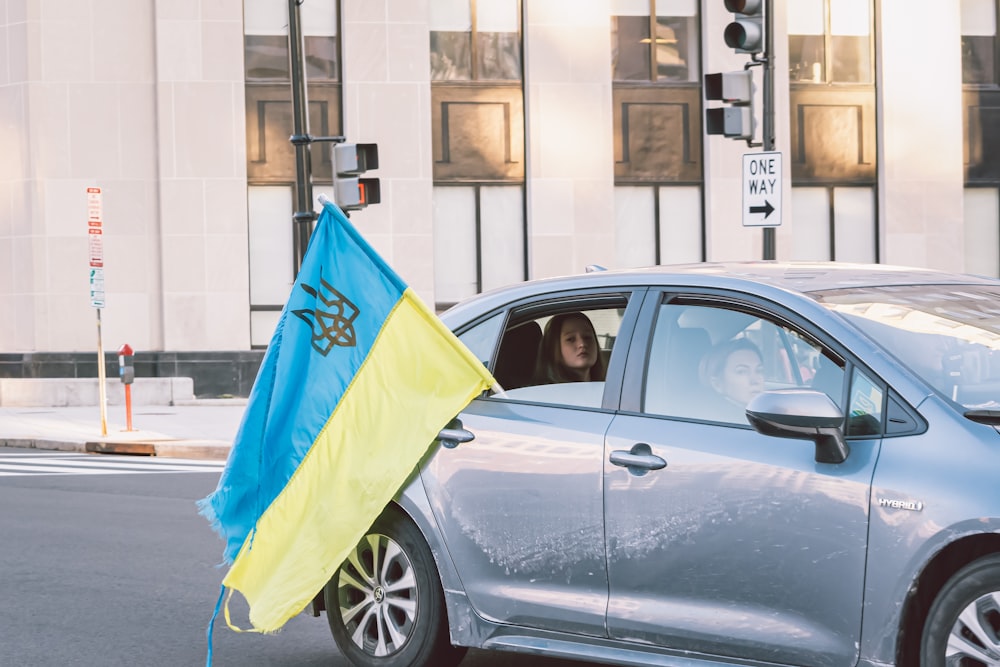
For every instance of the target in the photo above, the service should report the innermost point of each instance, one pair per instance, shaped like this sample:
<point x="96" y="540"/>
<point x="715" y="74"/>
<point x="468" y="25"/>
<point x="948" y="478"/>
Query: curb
<point x="214" y="450"/>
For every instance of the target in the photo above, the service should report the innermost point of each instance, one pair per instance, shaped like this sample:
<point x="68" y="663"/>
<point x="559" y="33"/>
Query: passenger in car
<point x="569" y="351"/>
<point x="734" y="371"/>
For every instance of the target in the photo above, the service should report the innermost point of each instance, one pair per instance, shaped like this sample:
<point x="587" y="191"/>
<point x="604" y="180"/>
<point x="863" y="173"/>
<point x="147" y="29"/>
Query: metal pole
<point x="303" y="217"/>
<point x="768" y="99"/>
<point x="101" y="375"/>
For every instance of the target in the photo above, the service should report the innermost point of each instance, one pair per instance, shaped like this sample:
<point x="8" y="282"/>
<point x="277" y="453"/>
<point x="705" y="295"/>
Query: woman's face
<point x="577" y="346"/>
<point x="742" y="377"/>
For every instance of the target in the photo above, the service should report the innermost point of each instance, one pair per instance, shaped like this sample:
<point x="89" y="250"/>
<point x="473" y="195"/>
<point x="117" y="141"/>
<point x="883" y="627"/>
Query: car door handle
<point x="641" y="456"/>
<point x="454" y="434"/>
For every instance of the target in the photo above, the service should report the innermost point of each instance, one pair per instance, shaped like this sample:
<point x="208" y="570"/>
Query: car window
<point x="559" y="355"/>
<point x="865" y="414"/>
<point x="707" y="362"/>
<point x="482" y="338"/>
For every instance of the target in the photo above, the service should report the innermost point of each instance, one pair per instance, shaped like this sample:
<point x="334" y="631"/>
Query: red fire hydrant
<point x="126" y="373"/>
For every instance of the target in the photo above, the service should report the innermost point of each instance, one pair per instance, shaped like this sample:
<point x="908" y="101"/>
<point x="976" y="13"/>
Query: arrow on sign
<point x="766" y="209"/>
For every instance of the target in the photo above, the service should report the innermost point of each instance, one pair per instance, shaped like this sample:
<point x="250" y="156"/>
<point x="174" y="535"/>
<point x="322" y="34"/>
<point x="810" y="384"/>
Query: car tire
<point x="385" y="604"/>
<point x="963" y="624"/>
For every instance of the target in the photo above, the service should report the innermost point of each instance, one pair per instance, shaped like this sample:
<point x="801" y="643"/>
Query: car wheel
<point x="385" y="604"/>
<point x="963" y="624"/>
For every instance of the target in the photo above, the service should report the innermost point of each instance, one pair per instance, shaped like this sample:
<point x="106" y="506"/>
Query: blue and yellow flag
<point x="355" y="385"/>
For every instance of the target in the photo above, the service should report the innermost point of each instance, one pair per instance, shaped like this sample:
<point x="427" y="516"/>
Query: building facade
<point x="517" y="138"/>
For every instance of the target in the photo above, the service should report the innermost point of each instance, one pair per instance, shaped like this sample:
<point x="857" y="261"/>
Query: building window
<point x="656" y="92"/>
<point x="830" y="41"/>
<point x="271" y="171"/>
<point x="475" y="41"/>
<point x="477" y="117"/>
<point x="979" y="33"/>
<point x="834" y="223"/>
<point x="655" y="40"/>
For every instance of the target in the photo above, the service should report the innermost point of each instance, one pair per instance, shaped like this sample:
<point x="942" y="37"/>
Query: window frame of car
<point x="898" y="418"/>
<point x="593" y="298"/>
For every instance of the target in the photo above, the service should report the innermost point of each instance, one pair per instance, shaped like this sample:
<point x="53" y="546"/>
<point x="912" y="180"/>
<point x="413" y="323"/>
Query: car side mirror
<point x="803" y="414"/>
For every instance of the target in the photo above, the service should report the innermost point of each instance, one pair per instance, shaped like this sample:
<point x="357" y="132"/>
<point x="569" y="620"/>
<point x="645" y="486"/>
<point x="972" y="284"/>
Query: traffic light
<point x="734" y="88"/>
<point x="350" y="161"/>
<point x="746" y="32"/>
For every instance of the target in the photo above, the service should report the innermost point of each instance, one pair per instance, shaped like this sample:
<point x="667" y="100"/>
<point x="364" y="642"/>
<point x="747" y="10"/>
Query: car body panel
<point x="947" y="486"/>
<point x="751" y="548"/>
<point x="520" y="509"/>
<point x="742" y="542"/>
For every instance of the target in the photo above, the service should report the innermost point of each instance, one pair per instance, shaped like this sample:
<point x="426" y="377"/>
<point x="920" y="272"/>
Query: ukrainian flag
<point x="355" y="385"/>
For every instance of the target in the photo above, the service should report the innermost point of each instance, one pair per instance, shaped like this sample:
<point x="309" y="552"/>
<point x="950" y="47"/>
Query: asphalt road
<point x="102" y="570"/>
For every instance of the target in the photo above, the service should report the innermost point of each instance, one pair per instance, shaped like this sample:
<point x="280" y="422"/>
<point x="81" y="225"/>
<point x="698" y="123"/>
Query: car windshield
<point x="947" y="334"/>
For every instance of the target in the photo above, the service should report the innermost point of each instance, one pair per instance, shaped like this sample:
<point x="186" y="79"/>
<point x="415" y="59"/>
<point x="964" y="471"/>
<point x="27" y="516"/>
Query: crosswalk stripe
<point x="72" y="463"/>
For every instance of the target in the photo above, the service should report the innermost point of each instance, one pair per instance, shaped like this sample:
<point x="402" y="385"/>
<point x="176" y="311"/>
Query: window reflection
<point x="630" y="48"/>
<point x="851" y="59"/>
<point x="829" y="41"/>
<point x="499" y="56"/>
<point x="475" y="42"/>
<point x="267" y="58"/>
<point x="451" y="58"/>
<point x="979" y="41"/>
<point x="675" y="46"/>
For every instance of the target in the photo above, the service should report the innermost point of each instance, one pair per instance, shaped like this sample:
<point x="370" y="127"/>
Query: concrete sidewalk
<point x="197" y="429"/>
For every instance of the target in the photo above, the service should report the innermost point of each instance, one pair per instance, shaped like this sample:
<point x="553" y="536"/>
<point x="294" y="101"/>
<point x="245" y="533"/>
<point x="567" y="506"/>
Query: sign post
<point x="95" y="242"/>
<point x="762" y="190"/>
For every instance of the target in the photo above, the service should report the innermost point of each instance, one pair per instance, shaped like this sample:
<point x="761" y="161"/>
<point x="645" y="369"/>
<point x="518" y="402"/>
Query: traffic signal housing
<point x="352" y="192"/>
<point x="745" y="33"/>
<point x="736" y="89"/>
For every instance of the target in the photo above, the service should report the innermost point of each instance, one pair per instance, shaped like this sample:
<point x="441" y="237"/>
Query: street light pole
<point x="768" y="99"/>
<point x="304" y="215"/>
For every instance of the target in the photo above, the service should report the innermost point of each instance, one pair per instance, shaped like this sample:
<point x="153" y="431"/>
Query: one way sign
<point x="762" y="189"/>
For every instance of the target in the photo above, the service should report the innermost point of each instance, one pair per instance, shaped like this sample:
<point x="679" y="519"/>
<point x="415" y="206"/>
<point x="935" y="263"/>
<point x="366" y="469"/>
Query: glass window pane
<point x="270" y="244"/>
<point x="321" y="58"/>
<point x="451" y="56"/>
<point x="979" y="18"/>
<point x="630" y="48"/>
<point x="851" y="60"/>
<point x="496" y="16"/>
<point x="450" y="15"/>
<point x="676" y="8"/>
<point x="267" y="58"/>
<point x="982" y="231"/>
<point x="262" y="325"/>
<point x="499" y="56"/>
<point x="482" y="338"/>
<point x="811" y="229"/>
<point x="806" y="58"/>
<point x="630" y="8"/>
<point x="677" y="49"/>
<point x="634" y="226"/>
<point x="864" y="415"/>
<point x="317" y="17"/>
<point x="680" y="224"/>
<point x="805" y="17"/>
<point x="977" y="60"/>
<point x="501" y="212"/>
<point x="854" y="224"/>
<point x="265" y="18"/>
<point x="455" y="255"/>
<point x="850" y="17"/>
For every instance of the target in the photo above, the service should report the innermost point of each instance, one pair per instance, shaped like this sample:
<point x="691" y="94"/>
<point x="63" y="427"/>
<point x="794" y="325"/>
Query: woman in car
<point x="734" y="371"/>
<point x="569" y="351"/>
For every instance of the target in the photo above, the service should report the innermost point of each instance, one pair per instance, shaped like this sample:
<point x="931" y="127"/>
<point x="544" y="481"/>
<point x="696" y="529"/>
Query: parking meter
<point x="126" y="371"/>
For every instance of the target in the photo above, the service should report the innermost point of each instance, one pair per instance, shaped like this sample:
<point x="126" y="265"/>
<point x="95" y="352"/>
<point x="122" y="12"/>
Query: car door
<point x="721" y="540"/>
<point x="520" y="505"/>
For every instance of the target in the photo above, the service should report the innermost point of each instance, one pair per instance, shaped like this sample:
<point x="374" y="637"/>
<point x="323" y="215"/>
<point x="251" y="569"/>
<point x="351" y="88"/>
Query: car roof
<point x="801" y="277"/>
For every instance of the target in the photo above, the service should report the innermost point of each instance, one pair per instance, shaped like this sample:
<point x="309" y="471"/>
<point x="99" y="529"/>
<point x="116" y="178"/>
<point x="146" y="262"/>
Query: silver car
<point x="841" y="508"/>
